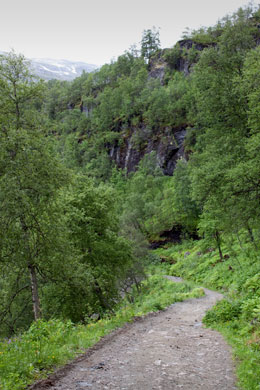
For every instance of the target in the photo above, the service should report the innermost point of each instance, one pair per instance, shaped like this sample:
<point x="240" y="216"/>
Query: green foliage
<point x="173" y="56"/>
<point x="101" y="257"/>
<point x="59" y="232"/>
<point x="206" y="36"/>
<point x="166" y="105"/>
<point x="143" y="201"/>
<point x="219" y="164"/>
<point x="31" y="175"/>
<point x="23" y="358"/>
<point x="150" y="42"/>
<point x="56" y="98"/>
<point x="223" y="311"/>
<point x="186" y="210"/>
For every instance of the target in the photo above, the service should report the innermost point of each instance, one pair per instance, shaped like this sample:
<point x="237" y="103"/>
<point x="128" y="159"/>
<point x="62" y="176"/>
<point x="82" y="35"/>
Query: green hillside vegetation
<point x="75" y="226"/>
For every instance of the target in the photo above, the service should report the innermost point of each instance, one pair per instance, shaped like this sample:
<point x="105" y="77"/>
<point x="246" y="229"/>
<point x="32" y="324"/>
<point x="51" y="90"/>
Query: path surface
<point x="163" y="351"/>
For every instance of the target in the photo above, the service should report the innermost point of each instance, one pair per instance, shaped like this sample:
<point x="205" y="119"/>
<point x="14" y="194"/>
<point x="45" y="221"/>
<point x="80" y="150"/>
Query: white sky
<point x="95" y="31"/>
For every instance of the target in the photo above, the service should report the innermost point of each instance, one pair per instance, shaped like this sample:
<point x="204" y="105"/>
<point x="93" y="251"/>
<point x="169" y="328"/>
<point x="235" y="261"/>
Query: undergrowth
<point x="237" y="316"/>
<point x="47" y="345"/>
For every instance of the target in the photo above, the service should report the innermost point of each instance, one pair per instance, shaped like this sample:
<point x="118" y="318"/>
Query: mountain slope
<point x="60" y="69"/>
<point x="49" y="68"/>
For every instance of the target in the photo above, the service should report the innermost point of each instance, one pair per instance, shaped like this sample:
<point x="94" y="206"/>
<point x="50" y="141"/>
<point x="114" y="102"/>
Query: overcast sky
<point x="97" y="31"/>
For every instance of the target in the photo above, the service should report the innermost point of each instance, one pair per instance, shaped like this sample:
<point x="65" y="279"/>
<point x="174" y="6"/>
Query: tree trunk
<point x="35" y="295"/>
<point x="103" y="301"/>
<point x="218" y="240"/>
<point x="250" y="232"/>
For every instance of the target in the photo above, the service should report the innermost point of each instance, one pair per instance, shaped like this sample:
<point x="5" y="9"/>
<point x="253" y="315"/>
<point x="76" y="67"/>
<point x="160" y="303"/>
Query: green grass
<point x="48" y="345"/>
<point x="237" y="317"/>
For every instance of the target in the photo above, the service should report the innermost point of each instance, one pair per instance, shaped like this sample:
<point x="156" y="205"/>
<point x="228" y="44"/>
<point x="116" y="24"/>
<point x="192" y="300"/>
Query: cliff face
<point x="168" y="146"/>
<point x="167" y="143"/>
<point x="160" y="63"/>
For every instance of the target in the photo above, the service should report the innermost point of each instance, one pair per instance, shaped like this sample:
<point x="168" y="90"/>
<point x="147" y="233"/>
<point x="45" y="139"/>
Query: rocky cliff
<point x="167" y="142"/>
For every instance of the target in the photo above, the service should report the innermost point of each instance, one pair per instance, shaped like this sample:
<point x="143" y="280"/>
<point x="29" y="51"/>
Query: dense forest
<point x="93" y="173"/>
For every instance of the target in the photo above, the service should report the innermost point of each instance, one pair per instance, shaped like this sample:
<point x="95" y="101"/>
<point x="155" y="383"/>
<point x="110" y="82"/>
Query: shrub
<point x="223" y="311"/>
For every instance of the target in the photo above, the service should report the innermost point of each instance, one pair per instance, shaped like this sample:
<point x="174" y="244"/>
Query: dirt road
<point x="167" y="350"/>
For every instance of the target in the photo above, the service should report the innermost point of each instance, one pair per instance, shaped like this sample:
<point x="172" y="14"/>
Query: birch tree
<point x="30" y="177"/>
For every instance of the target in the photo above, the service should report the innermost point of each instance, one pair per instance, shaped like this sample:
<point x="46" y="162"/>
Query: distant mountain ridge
<point x="48" y="69"/>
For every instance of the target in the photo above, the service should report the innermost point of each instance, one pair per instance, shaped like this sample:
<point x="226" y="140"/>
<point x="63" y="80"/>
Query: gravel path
<point x="163" y="351"/>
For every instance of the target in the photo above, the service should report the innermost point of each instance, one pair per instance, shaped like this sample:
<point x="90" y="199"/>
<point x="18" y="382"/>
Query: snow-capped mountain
<point x="49" y="69"/>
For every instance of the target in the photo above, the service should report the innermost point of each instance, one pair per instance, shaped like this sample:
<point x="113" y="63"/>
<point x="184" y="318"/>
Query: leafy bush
<point x="223" y="311"/>
<point x="173" y="56"/>
<point x="48" y="330"/>
<point x="251" y="309"/>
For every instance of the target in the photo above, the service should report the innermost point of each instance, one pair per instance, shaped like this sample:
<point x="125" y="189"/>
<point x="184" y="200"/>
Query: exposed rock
<point x="209" y="250"/>
<point x="183" y="63"/>
<point x="158" y="72"/>
<point x="188" y="43"/>
<point x="157" y="67"/>
<point x="168" y="146"/>
<point x="173" y="235"/>
<point x="170" y="149"/>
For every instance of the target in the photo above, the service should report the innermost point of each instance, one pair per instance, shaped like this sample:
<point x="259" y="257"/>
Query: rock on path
<point x="163" y="351"/>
